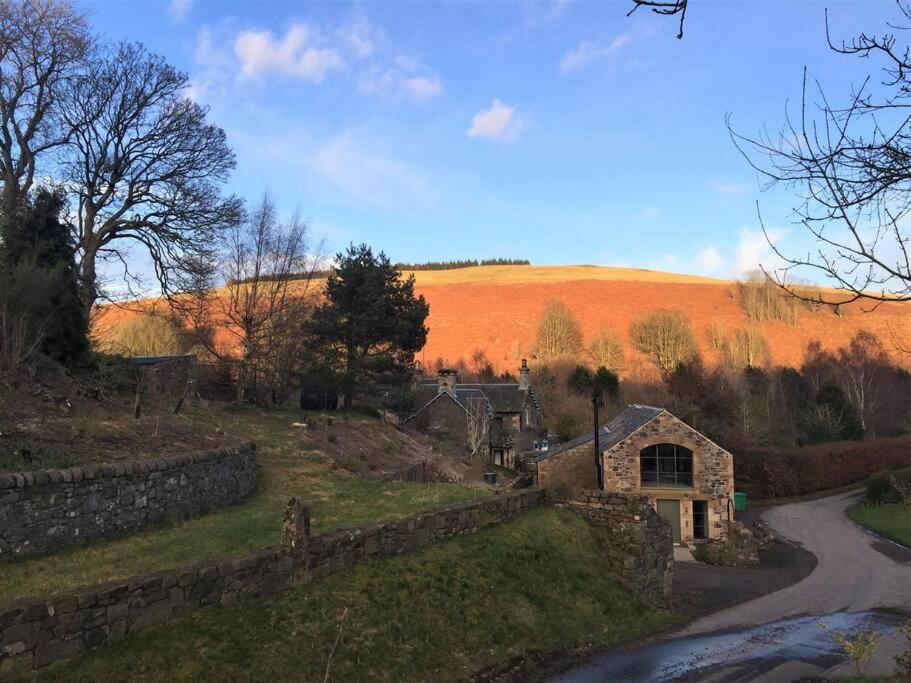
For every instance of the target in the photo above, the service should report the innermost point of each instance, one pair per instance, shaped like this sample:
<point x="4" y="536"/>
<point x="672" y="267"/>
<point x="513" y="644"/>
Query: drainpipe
<point x="598" y="445"/>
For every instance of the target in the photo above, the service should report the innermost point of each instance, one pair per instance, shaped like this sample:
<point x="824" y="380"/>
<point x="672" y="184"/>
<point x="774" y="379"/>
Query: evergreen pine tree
<point x="39" y="266"/>
<point x="371" y="324"/>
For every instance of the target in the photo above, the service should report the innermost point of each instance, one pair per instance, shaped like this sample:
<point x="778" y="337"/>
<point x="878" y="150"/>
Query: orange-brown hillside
<point x="496" y="309"/>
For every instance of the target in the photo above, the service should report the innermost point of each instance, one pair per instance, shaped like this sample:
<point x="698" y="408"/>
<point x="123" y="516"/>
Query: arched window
<point x="666" y="465"/>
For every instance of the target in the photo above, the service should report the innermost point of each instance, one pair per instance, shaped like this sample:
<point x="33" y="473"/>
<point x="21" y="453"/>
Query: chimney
<point x="446" y="380"/>
<point x="523" y="375"/>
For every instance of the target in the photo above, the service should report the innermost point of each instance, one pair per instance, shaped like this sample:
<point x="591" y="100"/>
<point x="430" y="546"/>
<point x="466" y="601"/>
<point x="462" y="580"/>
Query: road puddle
<point x="755" y="649"/>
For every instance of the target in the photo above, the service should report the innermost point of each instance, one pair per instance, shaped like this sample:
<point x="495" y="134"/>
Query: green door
<point x="670" y="510"/>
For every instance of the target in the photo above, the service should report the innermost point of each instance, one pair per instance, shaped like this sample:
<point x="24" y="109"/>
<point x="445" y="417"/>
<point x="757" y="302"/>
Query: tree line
<point x="465" y="263"/>
<point x="740" y="400"/>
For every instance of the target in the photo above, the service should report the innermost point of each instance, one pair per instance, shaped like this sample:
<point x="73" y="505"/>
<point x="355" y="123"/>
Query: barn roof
<point x="630" y="420"/>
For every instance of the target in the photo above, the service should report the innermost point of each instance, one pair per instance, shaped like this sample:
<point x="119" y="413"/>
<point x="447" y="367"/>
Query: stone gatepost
<point x="296" y="537"/>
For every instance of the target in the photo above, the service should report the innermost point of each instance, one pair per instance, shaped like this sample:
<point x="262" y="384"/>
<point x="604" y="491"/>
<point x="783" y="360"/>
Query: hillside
<point x="496" y="308"/>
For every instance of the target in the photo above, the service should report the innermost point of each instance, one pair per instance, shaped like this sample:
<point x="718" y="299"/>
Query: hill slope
<point x="496" y="309"/>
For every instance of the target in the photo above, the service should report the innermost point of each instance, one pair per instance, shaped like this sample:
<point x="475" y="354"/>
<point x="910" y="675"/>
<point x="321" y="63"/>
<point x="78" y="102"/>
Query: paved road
<point x="776" y="637"/>
<point x="856" y="570"/>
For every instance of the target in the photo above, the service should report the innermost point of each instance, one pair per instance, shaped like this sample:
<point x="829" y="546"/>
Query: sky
<point x="563" y="131"/>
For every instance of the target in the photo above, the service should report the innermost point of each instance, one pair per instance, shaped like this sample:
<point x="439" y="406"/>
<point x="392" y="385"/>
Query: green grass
<point x="285" y="470"/>
<point x="892" y="520"/>
<point x="536" y="584"/>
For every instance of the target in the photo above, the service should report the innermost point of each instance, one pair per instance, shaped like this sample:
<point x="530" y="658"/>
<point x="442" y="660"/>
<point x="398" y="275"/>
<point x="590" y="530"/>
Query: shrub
<point x="666" y="337"/>
<point x="880" y="490"/>
<point x="769" y="473"/>
<point x="558" y="331"/>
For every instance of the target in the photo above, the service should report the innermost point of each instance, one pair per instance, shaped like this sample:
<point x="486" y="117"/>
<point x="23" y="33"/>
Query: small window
<point x="666" y="465"/>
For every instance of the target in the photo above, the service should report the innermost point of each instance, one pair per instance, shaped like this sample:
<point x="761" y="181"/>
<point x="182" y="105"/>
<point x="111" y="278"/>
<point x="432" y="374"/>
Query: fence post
<point x="296" y="537"/>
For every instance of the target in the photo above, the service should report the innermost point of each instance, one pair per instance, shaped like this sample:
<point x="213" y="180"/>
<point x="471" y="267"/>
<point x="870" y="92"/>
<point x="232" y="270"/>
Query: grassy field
<point x="891" y="520"/>
<point x="536" y="584"/>
<point x="285" y="469"/>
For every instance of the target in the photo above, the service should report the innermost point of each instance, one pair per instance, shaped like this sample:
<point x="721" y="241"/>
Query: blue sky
<point x="561" y="132"/>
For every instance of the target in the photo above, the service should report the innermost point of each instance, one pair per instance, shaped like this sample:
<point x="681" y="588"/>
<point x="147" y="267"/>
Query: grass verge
<point x="538" y="583"/>
<point x="285" y="469"/>
<point x="892" y="520"/>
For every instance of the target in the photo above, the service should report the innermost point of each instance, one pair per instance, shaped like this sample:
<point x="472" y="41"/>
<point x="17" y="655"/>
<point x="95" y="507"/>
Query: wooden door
<point x="670" y="510"/>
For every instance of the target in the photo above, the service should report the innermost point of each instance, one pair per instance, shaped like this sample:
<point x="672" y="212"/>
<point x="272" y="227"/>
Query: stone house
<point x="511" y="412"/>
<point x="688" y="479"/>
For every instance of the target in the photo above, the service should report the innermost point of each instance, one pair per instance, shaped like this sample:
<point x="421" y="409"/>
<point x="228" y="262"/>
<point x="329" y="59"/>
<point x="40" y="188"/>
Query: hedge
<point x="772" y="473"/>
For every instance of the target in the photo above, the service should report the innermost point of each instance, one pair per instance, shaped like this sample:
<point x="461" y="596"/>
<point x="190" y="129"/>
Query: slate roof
<point x="631" y="419"/>
<point x="502" y="398"/>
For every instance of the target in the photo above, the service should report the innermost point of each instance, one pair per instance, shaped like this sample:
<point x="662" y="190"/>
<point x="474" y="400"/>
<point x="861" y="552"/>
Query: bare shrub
<point x="667" y="337"/>
<point x="747" y="348"/>
<point x="147" y="335"/>
<point x="761" y="299"/>
<point x="606" y="350"/>
<point x="558" y="331"/>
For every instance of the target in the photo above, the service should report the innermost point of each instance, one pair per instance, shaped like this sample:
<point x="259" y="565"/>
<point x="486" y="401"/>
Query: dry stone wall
<point x="47" y="509"/>
<point x="637" y="543"/>
<point x="338" y="550"/>
<point x="34" y="633"/>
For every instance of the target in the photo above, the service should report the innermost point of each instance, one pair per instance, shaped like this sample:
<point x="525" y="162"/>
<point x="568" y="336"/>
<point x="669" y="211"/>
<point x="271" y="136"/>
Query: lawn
<point x="536" y="584"/>
<point x="285" y="469"/>
<point x="892" y="520"/>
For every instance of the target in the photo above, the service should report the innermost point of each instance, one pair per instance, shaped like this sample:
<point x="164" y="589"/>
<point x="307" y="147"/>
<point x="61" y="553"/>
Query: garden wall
<point x="340" y="549"/>
<point x="51" y="508"/>
<point x="34" y="633"/>
<point x="768" y="473"/>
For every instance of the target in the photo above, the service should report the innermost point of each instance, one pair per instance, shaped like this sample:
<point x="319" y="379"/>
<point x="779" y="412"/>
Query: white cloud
<point x="723" y="186"/>
<point x="368" y="176"/>
<point x="498" y="122"/>
<point x="361" y="37"/>
<point x="709" y="261"/>
<point x="179" y="9"/>
<point x="588" y="52"/>
<point x="753" y="249"/>
<point x="650" y="213"/>
<point x="300" y="53"/>
<point x="406" y="80"/>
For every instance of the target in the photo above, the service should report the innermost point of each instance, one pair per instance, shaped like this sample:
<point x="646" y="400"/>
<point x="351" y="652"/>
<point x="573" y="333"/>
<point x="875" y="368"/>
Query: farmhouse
<point x="502" y="418"/>
<point x="687" y="478"/>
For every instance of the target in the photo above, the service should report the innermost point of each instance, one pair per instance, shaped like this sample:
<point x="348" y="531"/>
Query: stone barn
<point x="688" y="479"/>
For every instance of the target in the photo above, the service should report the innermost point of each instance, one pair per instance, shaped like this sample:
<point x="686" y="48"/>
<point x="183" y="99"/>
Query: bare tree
<point x="558" y="331"/>
<point x="665" y="7"/>
<point x="850" y="166"/>
<point x="42" y="44"/>
<point x="863" y="371"/>
<point x="267" y="271"/>
<point x="478" y="423"/>
<point x="665" y="336"/>
<point x="606" y="350"/>
<point x="748" y="347"/>
<point x="146" y="169"/>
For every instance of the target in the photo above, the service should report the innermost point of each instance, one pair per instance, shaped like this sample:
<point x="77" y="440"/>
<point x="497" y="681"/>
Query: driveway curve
<point x="856" y="570"/>
<point x="859" y="578"/>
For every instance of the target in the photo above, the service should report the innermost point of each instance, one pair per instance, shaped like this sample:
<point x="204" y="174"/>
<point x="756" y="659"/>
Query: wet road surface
<point x="859" y="578"/>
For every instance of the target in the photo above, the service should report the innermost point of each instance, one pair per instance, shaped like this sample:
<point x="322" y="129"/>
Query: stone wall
<point x="636" y="542"/>
<point x="46" y="509"/>
<point x="34" y="633"/>
<point x="340" y="549"/>
<point x="570" y="471"/>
